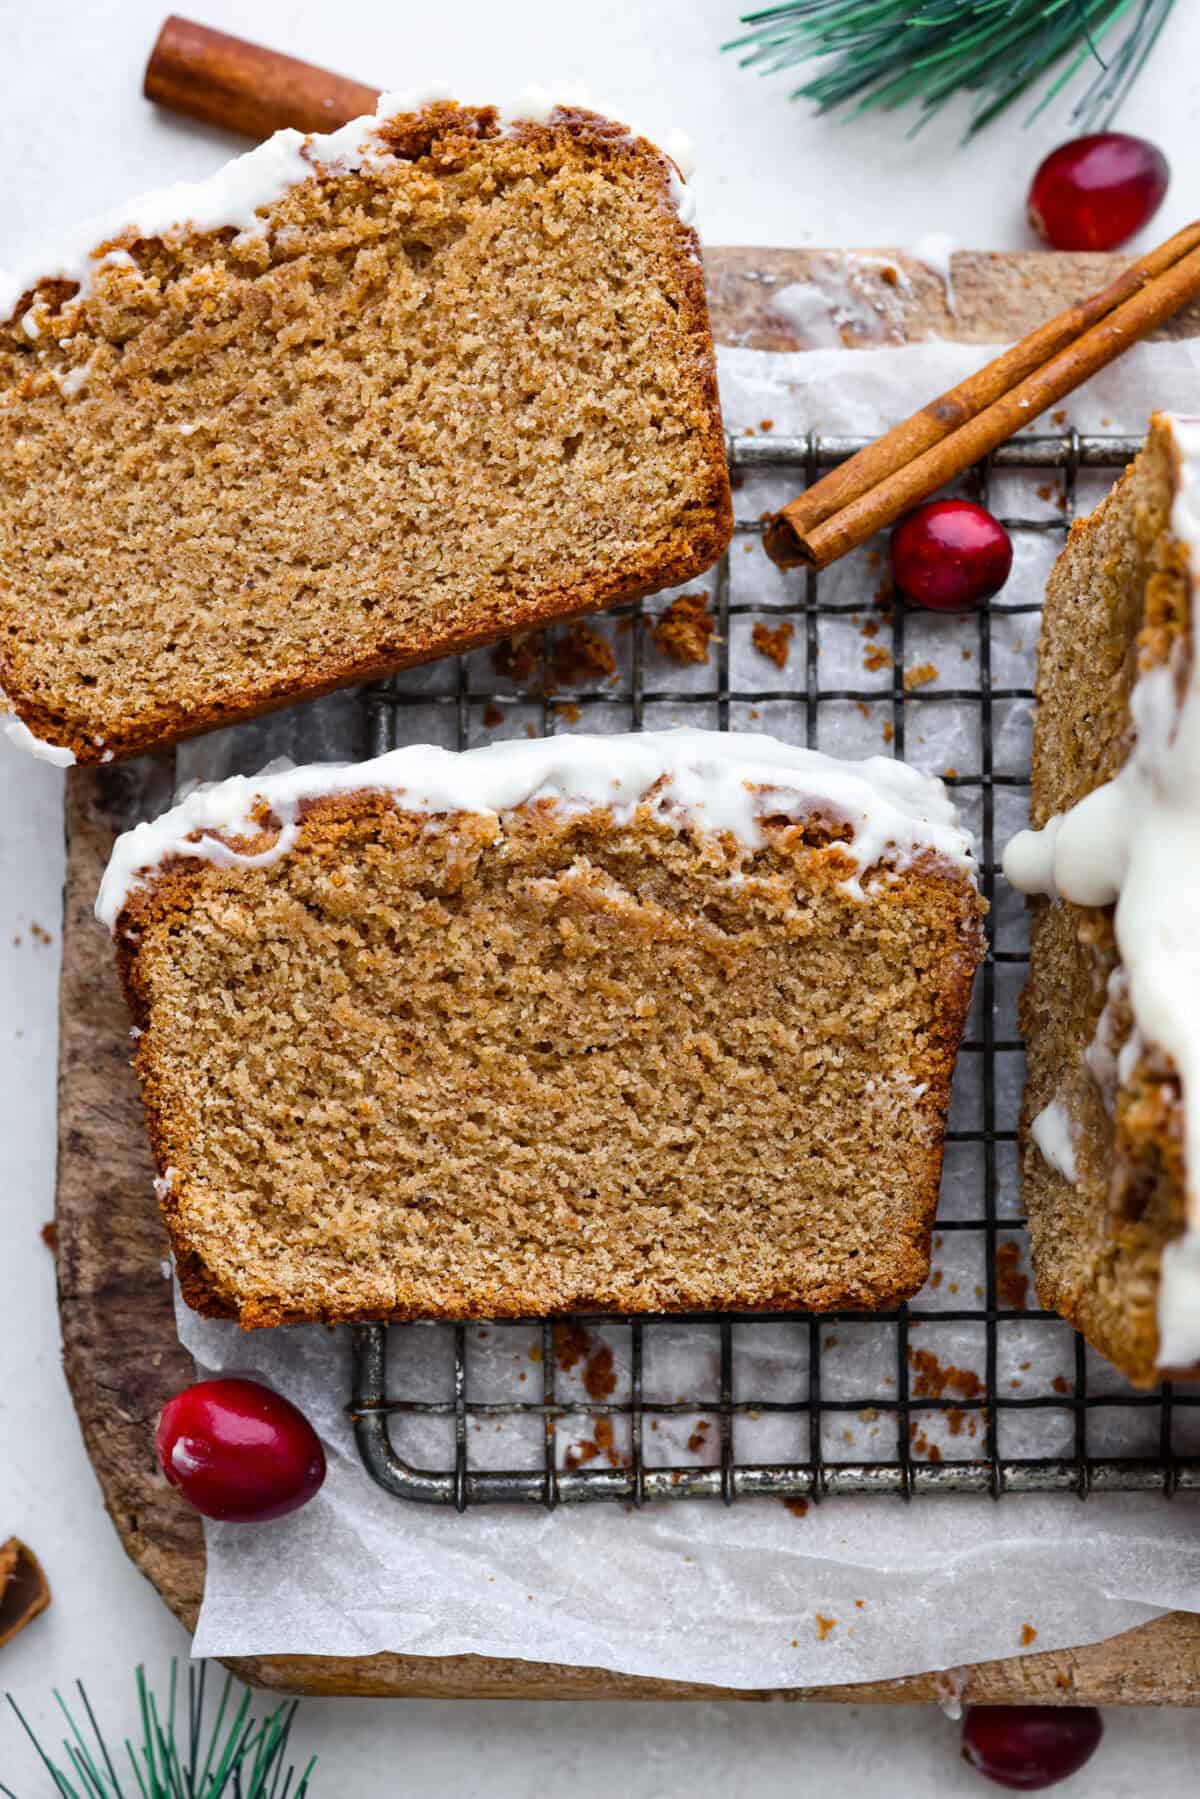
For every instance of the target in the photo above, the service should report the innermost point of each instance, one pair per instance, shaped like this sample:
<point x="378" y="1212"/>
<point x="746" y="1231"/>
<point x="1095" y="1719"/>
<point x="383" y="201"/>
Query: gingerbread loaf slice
<point x="639" y="1023"/>
<point x="1111" y="1015"/>
<point x="355" y="402"/>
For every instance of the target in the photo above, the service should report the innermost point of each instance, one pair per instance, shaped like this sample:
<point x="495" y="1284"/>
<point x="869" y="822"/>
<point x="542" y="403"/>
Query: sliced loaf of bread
<point x="354" y="403"/>
<point x="639" y="1023"/>
<point x="1111" y="1015"/>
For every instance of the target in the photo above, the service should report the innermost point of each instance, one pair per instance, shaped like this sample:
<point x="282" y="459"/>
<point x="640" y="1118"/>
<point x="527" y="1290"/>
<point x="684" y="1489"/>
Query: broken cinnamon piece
<point x="773" y="644"/>
<point x="24" y="1589"/>
<point x="682" y="632"/>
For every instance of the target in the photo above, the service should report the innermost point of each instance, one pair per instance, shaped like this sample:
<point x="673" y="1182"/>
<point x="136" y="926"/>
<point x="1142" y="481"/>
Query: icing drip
<point x="18" y="733"/>
<point x="1136" y="841"/>
<point x="708" y="779"/>
<point x="1052" y="1131"/>
<point x="935" y="250"/>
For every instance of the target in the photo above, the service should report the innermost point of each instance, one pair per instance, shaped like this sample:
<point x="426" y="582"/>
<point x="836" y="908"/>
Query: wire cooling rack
<point x="796" y="1405"/>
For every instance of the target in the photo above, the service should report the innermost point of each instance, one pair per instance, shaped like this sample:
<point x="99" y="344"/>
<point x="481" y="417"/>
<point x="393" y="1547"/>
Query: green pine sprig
<point x="235" y="1756"/>
<point x="892" y="53"/>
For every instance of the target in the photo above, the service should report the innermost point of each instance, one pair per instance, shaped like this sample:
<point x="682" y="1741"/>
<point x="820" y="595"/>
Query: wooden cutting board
<point x="123" y="1359"/>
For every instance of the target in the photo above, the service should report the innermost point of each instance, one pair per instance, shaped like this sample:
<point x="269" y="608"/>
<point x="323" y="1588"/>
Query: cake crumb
<point x="824" y="1626"/>
<point x="683" y="631"/>
<point x="580" y="653"/>
<point x="517" y="658"/>
<point x="966" y="655"/>
<point x="860" y="1603"/>
<point x="863" y="708"/>
<point x="766" y="424"/>
<point x="920" y="676"/>
<point x="935" y="1279"/>
<point x="797" y="1507"/>
<point x="493" y="715"/>
<point x="1060" y="1384"/>
<point x="696" y="1441"/>
<point x="950" y="773"/>
<point x="599" y="1443"/>
<point x="1012" y="1286"/>
<point x="773" y="644"/>
<point x="889" y="730"/>
<point x="876" y="657"/>
<point x="49" y="1235"/>
<point x="568" y="711"/>
<point x="577" y="654"/>
<point x="1028" y="1635"/>
<point x="932" y="1378"/>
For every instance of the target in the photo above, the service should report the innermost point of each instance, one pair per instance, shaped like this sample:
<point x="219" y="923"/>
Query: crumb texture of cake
<point x="1111" y="1015"/>
<point x="354" y="403"/>
<point x="634" y="1023"/>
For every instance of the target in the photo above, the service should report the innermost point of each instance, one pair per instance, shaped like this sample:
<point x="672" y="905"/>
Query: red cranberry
<point x="1029" y="1747"/>
<point x="1094" y="192"/>
<point x="239" y="1451"/>
<point x="950" y="555"/>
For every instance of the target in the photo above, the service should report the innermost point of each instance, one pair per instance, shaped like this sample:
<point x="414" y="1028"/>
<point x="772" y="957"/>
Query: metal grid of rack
<point x="975" y="1407"/>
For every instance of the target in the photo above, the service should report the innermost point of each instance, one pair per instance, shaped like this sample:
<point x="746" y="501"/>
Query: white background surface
<point x="74" y="137"/>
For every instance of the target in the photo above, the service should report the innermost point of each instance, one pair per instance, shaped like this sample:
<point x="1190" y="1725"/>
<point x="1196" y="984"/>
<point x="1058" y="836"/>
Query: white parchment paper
<point x="757" y="1595"/>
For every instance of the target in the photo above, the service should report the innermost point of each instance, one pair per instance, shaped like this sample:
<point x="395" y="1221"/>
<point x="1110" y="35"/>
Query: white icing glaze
<point x="18" y="733"/>
<point x="234" y="195"/>
<point x="1054" y="1135"/>
<point x="935" y="250"/>
<point x="1110" y="1067"/>
<point x="710" y="779"/>
<point x="1179" y="1302"/>
<point x="1136" y="840"/>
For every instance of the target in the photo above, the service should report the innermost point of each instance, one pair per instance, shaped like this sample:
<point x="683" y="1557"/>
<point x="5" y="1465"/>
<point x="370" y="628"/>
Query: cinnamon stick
<point x="242" y="87"/>
<point x="943" y="439"/>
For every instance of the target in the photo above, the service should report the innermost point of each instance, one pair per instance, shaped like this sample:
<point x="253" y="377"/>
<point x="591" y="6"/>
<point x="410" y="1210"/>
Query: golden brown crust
<point x="437" y="145"/>
<point x="942" y="910"/>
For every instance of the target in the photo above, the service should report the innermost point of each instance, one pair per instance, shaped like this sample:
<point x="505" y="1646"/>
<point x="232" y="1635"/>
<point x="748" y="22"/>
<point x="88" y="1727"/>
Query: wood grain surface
<point x="122" y="1356"/>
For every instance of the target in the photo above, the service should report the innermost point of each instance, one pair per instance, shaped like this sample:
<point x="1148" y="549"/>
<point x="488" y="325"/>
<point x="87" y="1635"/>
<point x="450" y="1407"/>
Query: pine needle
<point x="244" y="1758"/>
<point x="887" y="54"/>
